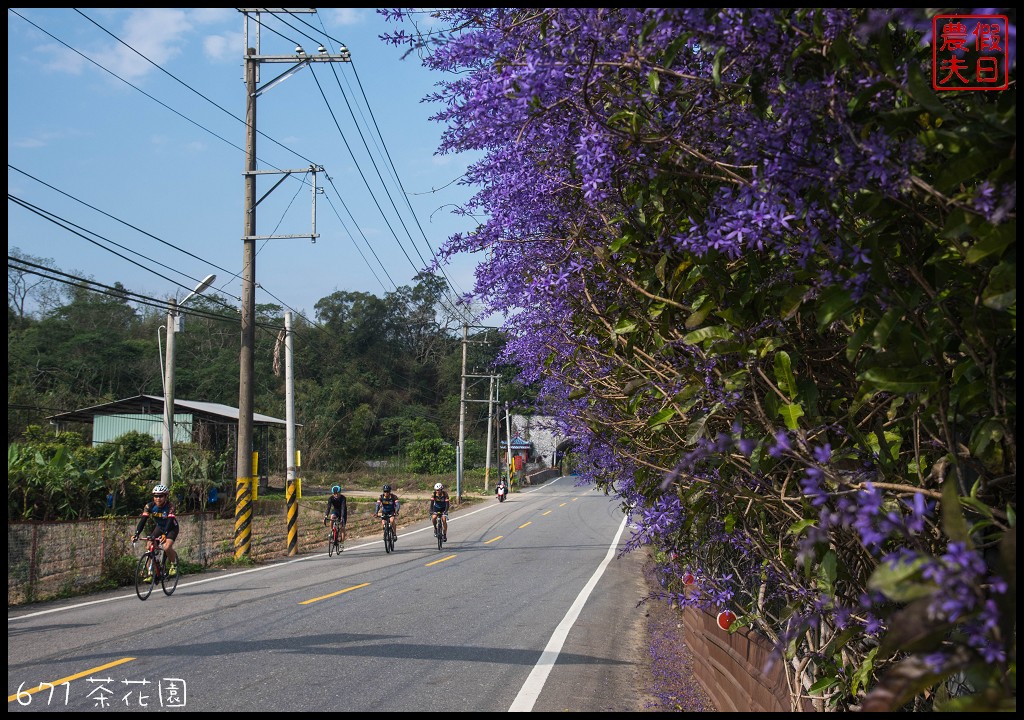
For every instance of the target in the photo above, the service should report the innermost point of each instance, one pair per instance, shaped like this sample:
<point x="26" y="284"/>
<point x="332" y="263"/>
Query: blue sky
<point x="167" y="155"/>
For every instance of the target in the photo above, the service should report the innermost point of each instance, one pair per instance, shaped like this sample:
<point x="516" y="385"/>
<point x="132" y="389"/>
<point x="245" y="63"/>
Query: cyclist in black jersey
<point x="439" y="505"/>
<point x="337" y="507"/>
<point x="161" y="511"/>
<point x="387" y="509"/>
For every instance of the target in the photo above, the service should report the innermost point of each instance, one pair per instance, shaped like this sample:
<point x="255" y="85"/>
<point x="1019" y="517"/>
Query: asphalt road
<point x="528" y="608"/>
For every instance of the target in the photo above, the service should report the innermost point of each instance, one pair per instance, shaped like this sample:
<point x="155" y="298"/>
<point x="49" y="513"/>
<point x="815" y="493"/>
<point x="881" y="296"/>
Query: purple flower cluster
<point x="701" y="231"/>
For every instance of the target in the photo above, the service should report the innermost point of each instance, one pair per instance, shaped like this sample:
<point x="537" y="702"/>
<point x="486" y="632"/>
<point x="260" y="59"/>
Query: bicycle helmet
<point x="336" y="489"/>
<point x="160" y="490"/>
<point x="438" y="486"/>
<point x="387" y="488"/>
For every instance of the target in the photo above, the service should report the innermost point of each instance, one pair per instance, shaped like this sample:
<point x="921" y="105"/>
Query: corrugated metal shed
<point x="154" y="405"/>
<point x="144" y="413"/>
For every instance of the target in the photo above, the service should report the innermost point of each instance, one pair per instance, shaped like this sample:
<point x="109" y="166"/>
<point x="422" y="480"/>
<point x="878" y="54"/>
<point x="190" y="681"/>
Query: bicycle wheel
<point x="144" y="586"/>
<point x="168" y="582"/>
<point x="388" y="543"/>
<point x="332" y="542"/>
<point x="439" y="533"/>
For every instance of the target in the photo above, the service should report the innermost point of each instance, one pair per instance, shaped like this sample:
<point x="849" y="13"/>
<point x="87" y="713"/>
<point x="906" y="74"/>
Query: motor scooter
<point x="501" y="493"/>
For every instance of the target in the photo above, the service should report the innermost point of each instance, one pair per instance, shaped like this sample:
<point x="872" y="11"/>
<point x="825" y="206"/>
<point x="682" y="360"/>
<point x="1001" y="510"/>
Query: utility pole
<point x="243" y="458"/>
<point x="290" y="459"/>
<point x="490" y="424"/>
<point x="173" y="320"/>
<point x="508" y="445"/>
<point x="462" y="418"/>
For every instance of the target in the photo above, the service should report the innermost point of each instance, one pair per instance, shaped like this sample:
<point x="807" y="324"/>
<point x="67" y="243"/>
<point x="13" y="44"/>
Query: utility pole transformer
<point x="244" y="471"/>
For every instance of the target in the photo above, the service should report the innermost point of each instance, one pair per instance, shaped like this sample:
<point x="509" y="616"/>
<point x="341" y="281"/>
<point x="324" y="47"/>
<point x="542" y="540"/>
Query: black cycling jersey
<point x="337" y="506"/>
<point x="387" y="505"/>
<point x="440" y="502"/>
<point x="163" y="517"/>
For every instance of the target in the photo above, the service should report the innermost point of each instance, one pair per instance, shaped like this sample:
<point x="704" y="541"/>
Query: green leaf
<point x="921" y="91"/>
<point x="697" y="317"/>
<point x="994" y="243"/>
<point x="625" y="326"/>
<point x="1001" y="291"/>
<point x="718" y="332"/>
<point x="990" y="431"/>
<point x="716" y="66"/>
<point x="823" y="684"/>
<point x="953" y="521"/>
<point x="800" y="525"/>
<point x="901" y="583"/>
<point x="696" y="430"/>
<point x="862" y="676"/>
<point x="880" y="334"/>
<point x="900" y="380"/>
<point x="835" y="302"/>
<point x="784" y="374"/>
<point x="791" y="414"/>
<point x="661" y="417"/>
<point x="827" y="571"/>
<point x="653" y="81"/>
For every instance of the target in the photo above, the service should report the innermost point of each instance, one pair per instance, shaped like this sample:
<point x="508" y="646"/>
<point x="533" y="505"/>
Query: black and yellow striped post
<point x="293" y="517"/>
<point x="243" y="513"/>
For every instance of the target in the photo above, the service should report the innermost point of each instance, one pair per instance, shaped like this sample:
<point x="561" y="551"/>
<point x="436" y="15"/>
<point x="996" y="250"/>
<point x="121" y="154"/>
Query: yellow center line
<point x="563" y="504"/>
<point x="324" y="597"/>
<point x="69" y="678"/>
<point x="573" y="500"/>
<point x="435" y="562"/>
<point x="542" y="514"/>
<point x="488" y="542"/>
<point x="528" y="522"/>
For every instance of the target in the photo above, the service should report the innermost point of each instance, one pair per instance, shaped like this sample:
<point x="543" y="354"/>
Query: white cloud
<point x="212" y="16"/>
<point x="156" y="33"/>
<point x="348" y="16"/>
<point x="218" y="47"/>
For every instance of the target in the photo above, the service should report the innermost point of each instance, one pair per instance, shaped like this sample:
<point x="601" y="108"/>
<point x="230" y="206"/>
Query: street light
<point x="172" y="321"/>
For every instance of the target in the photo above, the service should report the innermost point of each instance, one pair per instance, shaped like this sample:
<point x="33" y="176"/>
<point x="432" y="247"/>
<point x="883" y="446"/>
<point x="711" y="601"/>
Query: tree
<point x="765" y="276"/>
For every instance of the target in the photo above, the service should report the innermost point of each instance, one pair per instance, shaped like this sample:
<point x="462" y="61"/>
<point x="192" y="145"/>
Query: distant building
<point x="540" y="435"/>
<point x="211" y="426"/>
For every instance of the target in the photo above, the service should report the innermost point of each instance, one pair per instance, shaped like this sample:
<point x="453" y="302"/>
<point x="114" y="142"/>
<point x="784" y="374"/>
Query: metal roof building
<point x="209" y="425"/>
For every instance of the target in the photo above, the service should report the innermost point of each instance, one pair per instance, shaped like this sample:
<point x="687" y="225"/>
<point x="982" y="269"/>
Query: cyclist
<point x="439" y="504"/>
<point x="337" y="508"/>
<point x="387" y="509"/>
<point x="161" y="511"/>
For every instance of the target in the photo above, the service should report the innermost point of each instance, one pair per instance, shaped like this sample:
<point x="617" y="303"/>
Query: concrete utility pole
<point x="490" y="423"/>
<point x="244" y="470"/>
<point x="462" y="418"/>
<point x="173" y="318"/>
<point x="508" y="445"/>
<point x="290" y="459"/>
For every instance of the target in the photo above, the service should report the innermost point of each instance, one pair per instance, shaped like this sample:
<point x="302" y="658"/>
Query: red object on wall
<point x="518" y="462"/>
<point x="726" y="618"/>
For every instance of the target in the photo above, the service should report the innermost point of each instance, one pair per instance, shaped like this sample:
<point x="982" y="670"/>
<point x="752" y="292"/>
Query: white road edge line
<point x="530" y="691"/>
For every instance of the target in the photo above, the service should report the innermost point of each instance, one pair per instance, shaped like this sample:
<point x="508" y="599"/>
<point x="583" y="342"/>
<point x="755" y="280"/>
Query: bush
<point x="434" y="456"/>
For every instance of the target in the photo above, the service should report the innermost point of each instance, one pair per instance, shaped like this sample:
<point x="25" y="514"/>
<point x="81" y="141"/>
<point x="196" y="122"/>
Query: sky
<point x="126" y="153"/>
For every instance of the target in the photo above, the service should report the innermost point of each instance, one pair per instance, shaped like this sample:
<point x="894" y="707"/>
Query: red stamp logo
<point x="970" y="52"/>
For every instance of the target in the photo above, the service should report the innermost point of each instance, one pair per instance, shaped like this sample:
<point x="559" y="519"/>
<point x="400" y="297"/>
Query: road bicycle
<point x="389" y="534"/>
<point x="439" y="531"/>
<point x="152" y="567"/>
<point x="334" y="538"/>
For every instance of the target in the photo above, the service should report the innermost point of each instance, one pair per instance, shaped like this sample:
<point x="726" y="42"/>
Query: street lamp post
<point x="172" y="321"/>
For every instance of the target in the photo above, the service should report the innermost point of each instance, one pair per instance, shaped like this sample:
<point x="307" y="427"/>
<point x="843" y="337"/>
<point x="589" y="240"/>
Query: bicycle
<point x="152" y="567"/>
<point x="389" y="534"/>
<point x="334" y="538"/>
<point x="439" y="531"/>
